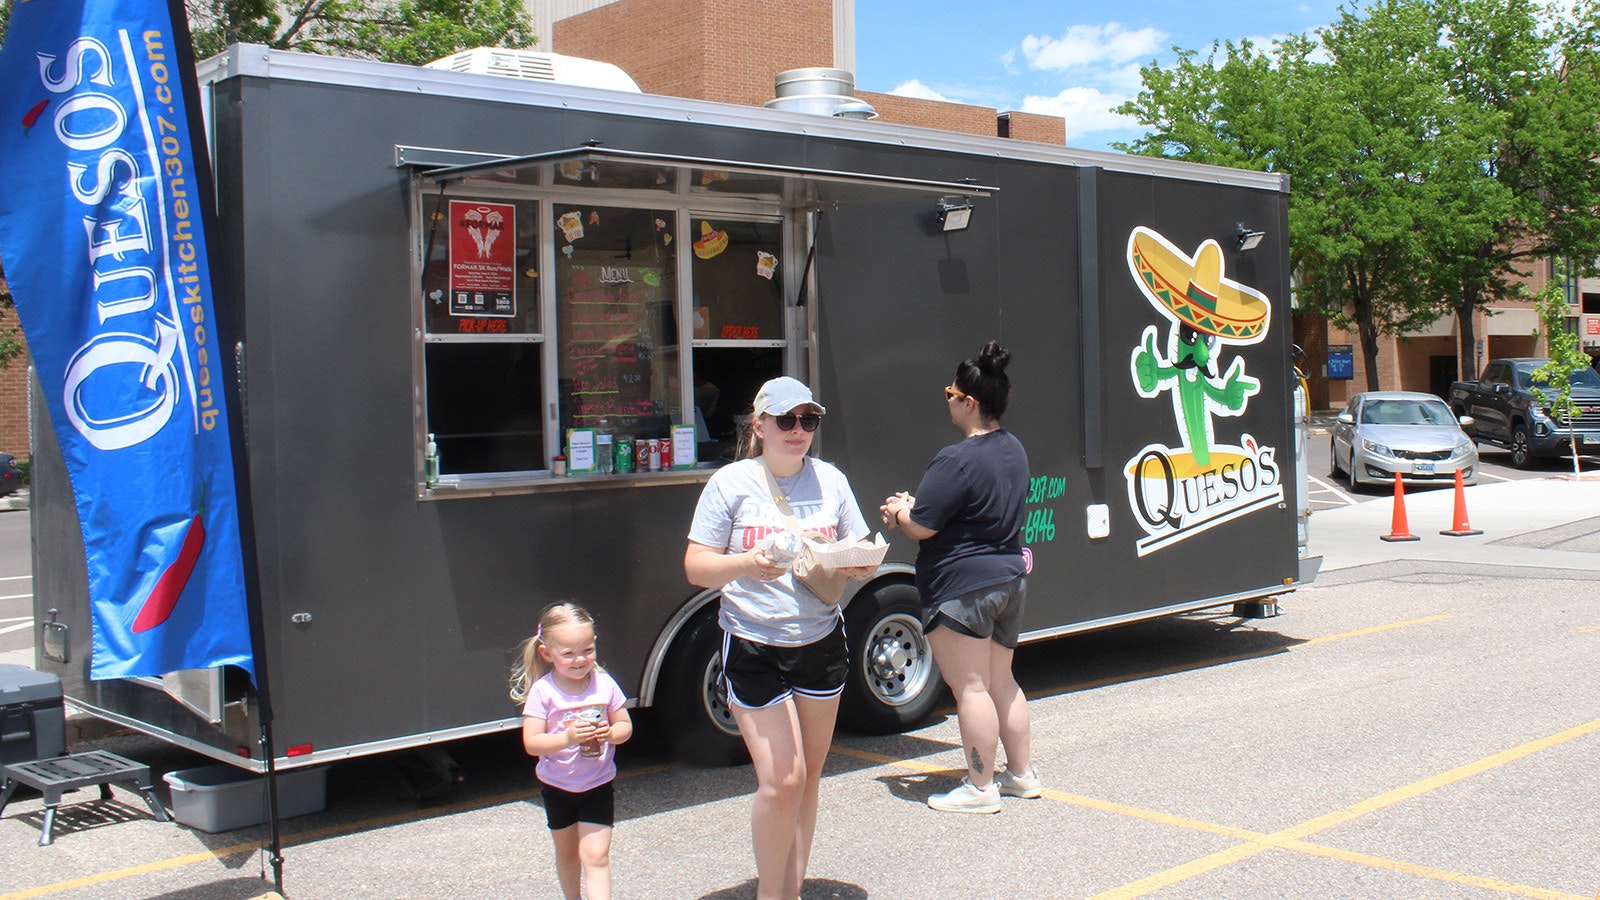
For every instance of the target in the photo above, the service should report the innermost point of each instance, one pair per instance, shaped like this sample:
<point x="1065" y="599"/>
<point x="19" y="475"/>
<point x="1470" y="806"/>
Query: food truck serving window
<point x="595" y="313"/>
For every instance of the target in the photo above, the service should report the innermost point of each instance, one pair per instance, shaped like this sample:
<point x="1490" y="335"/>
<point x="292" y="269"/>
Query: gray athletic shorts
<point x="994" y="612"/>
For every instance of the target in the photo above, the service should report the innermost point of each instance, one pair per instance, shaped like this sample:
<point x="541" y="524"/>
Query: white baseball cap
<point x="783" y="394"/>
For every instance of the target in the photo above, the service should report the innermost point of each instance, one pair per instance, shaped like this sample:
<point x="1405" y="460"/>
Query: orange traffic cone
<point x="1399" y="531"/>
<point x="1461" y="527"/>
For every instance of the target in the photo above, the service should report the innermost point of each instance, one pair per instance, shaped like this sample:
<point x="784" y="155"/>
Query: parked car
<point x="1505" y="411"/>
<point x="10" y="475"/>
<point x="1381" y="433"/>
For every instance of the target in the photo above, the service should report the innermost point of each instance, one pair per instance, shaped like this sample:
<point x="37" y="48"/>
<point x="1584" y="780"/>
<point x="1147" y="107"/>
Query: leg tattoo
<point x="977" y="761"/>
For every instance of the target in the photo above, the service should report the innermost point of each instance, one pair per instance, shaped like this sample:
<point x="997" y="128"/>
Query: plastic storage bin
<point x="222" y="797"/>
<point x="33" y="721"/>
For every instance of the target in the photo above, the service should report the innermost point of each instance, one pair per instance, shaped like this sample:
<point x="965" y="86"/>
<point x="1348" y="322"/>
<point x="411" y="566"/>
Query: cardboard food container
<point x="222" y="797"/>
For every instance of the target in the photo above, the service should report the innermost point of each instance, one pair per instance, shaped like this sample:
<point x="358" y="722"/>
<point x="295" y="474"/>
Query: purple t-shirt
<point x="568" y="769"/>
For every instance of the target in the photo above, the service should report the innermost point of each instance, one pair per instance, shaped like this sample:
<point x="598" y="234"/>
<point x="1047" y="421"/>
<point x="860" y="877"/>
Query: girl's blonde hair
<point x="529" y="665"/>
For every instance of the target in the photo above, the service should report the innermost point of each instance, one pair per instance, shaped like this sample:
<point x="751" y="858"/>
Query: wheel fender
<point x="650" y="680"/>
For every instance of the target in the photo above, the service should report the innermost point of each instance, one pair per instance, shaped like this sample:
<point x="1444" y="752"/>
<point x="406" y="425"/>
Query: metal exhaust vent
<point x="819" y="92"/>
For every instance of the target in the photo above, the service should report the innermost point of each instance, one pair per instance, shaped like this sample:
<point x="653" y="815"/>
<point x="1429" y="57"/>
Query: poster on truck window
<point x="483" y="259"/>
<point x="105" y="251"/>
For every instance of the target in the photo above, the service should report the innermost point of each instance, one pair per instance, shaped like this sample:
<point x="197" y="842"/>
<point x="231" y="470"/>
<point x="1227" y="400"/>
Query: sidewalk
<point x="1546" y="523"/>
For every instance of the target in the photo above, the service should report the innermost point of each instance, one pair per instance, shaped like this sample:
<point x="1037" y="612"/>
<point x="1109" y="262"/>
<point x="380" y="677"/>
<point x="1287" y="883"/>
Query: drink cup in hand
<point x="595" y="746"/>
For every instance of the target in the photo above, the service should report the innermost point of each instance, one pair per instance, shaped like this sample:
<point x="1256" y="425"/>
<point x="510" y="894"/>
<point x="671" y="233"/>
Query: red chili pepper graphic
<point x="158" y="606"/>
<point x="33" y="114"/>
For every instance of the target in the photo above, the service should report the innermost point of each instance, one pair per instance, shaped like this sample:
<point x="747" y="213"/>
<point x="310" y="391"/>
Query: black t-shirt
<point x="972" y="495"/>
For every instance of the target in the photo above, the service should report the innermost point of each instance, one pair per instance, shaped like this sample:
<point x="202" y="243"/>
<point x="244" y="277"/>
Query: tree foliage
<point x="1566" y="359"/>
<point x="1431" y="145"/>
<point x="403" y="31"/>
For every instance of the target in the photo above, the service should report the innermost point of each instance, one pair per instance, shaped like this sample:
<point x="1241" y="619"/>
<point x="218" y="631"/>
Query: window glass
<point x="617" y="351"/>
<point x="481" y="273"/>
<point x="725" y="383"/>
<point x="738" y="288"/>
<point x="483" y="406"/>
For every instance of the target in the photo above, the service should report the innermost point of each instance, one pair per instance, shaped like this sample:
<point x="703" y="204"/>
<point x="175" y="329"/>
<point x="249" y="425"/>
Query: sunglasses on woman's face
<point x="951" y="393"/>
<point x="807" y="421"/>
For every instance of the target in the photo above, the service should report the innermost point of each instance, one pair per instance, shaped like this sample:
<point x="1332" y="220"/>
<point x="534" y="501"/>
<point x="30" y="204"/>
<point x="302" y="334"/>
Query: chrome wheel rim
<point x="896" y="660"/>
<point x="714" y="697"/>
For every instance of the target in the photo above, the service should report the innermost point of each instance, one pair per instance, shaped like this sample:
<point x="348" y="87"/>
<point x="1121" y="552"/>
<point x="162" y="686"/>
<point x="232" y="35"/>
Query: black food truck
<point x="496" y="334"/>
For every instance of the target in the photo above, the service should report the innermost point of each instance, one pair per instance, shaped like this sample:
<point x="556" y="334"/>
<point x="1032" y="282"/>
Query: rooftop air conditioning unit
<point x="536" y="66"/>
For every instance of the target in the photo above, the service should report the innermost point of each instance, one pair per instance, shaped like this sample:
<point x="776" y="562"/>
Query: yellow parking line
<point x="1290" y="838"/>
<point x="299" y="837"/>
<point x="1377" y="628"/>
<point x="1242" y="657"/>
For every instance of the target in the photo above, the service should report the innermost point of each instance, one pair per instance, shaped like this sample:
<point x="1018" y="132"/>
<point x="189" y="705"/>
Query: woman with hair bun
<point x="967" y="514"/>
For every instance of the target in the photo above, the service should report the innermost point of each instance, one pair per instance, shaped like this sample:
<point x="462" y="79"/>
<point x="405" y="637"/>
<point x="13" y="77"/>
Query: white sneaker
<point x="968" y="799"/>
<point x="1025" y="785"/>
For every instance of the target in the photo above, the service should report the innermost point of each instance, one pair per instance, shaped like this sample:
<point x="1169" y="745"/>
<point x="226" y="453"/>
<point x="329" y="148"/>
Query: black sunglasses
<point x="807" y="421"/>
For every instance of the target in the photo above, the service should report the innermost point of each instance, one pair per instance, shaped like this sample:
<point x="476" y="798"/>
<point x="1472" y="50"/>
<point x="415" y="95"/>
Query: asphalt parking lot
<point x="1413" y="728"/>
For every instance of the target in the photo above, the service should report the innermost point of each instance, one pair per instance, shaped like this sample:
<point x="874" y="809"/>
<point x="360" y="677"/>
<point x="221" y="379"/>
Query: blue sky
<point x="1066" y="58"/>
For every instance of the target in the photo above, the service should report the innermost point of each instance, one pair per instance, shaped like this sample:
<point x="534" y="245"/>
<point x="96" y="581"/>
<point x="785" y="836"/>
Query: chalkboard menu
<point x="615" y="290"/>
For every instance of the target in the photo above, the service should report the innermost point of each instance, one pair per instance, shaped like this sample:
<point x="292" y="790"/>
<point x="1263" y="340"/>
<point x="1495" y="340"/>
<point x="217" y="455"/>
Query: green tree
<point x="405" y="31"/>
<point x="1341" y="131"/>
<point x="1516" y="149"/>
<point x="1432" y="146"/>
<point x="1566" y="358"/>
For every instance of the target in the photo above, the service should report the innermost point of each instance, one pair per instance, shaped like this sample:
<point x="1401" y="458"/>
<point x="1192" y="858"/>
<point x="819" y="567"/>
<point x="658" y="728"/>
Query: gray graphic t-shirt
<point x="736" y="512"/>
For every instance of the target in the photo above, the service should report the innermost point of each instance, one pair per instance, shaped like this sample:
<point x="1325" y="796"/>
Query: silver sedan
<point x="1382" y="433"/>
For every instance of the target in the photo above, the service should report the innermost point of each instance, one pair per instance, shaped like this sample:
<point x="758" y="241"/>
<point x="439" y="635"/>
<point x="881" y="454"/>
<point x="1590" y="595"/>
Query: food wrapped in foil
<point x="782" y="548"/>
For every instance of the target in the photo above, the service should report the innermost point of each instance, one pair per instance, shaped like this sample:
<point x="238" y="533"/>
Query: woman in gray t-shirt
<point x="783" y="650"/>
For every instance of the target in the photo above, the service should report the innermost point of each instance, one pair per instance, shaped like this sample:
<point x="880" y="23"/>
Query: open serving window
<point x="602" y="312"/>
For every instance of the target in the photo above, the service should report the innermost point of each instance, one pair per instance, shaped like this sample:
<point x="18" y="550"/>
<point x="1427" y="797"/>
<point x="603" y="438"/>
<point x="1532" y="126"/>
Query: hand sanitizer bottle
<point x="430" y="461"/>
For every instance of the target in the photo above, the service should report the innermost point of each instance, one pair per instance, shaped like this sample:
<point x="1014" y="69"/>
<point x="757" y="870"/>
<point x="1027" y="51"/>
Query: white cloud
<point x="920" y="91"/>
<point x="1088" y="45"/>
<point x="1084" y="108"/>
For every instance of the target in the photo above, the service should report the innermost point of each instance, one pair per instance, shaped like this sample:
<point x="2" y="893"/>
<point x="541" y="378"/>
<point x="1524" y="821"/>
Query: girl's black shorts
<point x="563" y="809"/>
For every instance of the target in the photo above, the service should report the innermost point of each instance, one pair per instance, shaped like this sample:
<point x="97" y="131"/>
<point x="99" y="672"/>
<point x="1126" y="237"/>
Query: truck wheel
<point x="693" y="699"/>
<point x="893" y="682"/>
<point x="1521" y="449"/>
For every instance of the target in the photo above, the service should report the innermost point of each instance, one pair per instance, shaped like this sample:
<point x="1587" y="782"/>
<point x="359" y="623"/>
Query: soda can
<point x="624" y="455"/>
<point x="655" y="454"/>
<point x="641" y="449"/>
<point x="666" y="452"/>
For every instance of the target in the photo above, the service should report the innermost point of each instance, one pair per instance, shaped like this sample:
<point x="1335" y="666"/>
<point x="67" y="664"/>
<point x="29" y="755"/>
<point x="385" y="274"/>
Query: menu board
<point x="615" y="323"/>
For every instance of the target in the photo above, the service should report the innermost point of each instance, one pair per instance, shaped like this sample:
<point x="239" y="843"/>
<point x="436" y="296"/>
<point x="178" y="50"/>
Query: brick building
<point x="729" y="51"/>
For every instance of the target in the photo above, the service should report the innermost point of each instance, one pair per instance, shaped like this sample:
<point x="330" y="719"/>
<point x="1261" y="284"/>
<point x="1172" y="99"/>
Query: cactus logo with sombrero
<point x="1180" y="491"/>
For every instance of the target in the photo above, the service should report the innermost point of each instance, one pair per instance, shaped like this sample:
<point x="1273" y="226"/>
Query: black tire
<point x="1350" y="472"/>
<point x="692" y="698"/>
<point x="894" y="683"/>
<point x="1333" y="459"/>
<point x="1521" y="448"/>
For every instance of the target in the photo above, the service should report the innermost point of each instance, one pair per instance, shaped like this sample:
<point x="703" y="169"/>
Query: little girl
<point x="572" y="718"/>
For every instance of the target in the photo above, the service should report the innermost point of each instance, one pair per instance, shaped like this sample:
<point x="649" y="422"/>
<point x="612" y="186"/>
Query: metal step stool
<point x="54" y="777"/>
